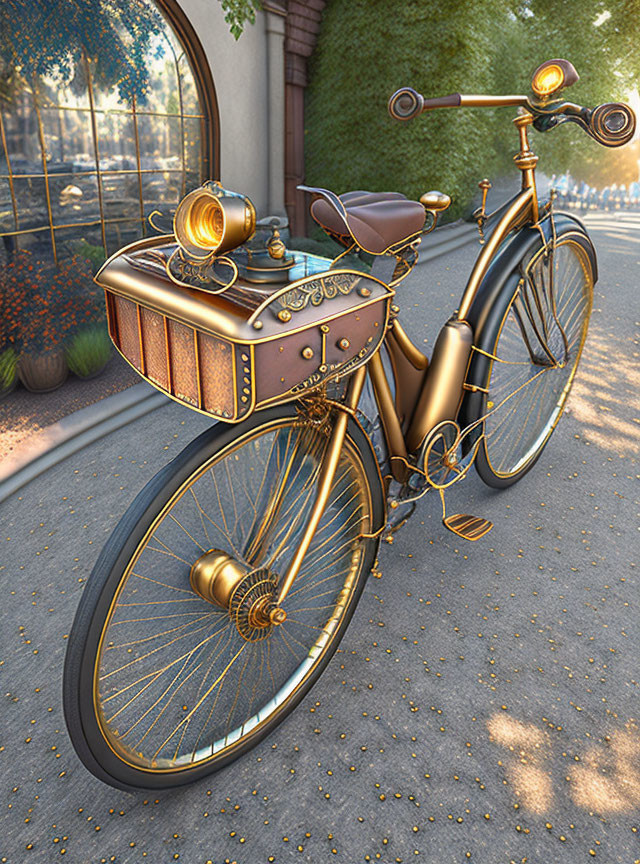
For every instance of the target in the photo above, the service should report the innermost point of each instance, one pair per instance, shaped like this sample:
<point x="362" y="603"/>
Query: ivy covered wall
<point x="369" y="48"/>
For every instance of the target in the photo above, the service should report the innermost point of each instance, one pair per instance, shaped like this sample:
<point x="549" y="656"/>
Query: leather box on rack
<point x="254" y="345"/>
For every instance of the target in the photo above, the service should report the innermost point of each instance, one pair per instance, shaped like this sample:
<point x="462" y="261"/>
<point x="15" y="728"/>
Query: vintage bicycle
<point x="227" y="585"/>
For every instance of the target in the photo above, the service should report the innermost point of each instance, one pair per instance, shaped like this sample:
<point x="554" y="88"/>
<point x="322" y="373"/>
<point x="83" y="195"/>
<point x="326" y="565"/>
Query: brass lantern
<point x="211" y="220"/>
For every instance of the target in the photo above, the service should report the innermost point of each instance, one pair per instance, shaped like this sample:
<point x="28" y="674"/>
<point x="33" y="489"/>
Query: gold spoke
<point x="197" y="687"/>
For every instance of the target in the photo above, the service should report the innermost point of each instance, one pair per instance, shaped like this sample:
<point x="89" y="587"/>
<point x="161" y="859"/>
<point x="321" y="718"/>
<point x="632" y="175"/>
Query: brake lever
<point x="611" y="124"/>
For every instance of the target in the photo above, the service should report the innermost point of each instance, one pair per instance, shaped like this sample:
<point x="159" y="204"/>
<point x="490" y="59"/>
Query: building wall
<point x="248" y="75"/>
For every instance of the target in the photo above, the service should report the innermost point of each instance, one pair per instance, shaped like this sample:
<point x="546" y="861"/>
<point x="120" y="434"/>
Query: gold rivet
<point x="322" y="367"/>
<point x="246" y="370"/>
<point x="364" y="292"/>
<point x="324" y="328"/>
<point x="284" y="315"/>
<point x="307" y="353"/>
<point x="245" y="358"/>
<point x="344" y="344"/>
<point x="246" y="390"/>
<point x="257" y="325"/>
<point x="395" y="309"/>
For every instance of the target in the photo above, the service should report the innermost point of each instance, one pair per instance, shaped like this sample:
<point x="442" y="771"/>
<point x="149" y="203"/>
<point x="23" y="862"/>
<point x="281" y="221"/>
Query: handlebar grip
<point x="612" y="124"/>
<point x="406" y="103"/>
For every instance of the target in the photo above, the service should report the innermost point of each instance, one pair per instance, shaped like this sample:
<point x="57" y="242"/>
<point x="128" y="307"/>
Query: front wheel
<point x="168" y="676"/>
<point x="534" y="349"/>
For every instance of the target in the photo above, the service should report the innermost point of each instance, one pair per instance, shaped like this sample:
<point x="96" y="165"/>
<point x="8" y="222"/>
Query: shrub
<point x="88" y="351"/>
<point x="8" y="368"/>
<point x="43" y="304"/>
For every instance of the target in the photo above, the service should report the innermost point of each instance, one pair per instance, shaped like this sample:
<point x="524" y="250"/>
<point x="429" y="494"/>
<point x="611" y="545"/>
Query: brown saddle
<point x="375" y="221"/>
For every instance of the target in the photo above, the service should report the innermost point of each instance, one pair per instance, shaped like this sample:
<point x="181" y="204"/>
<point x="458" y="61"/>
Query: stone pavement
<point x="482" y="706"/>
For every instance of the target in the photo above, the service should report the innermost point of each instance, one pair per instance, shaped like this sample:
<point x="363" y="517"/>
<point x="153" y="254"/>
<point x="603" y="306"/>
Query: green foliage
<point x="369" y="48"/>
<point x="317" y="244"/>
<point x="88" y="351"/>
<point x="54" y="37"/>
<point x="366" y="51"/>
<point x="8" y="368"/>
<point x="91" y="253"/>
<point x="118" y="37"/>
<point x="238" y="12"/>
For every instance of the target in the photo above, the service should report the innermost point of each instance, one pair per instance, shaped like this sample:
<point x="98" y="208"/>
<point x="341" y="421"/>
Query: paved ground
<point x="23" y="414"/>
<point x="482" y="707"/>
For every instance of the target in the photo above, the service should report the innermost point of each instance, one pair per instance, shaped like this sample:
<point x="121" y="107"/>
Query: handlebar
<point x="611" y="124"/>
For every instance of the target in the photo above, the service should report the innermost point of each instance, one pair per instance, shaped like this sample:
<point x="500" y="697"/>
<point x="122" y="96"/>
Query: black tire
<point x="528" y="386"/>
<point x="140" y="531"/>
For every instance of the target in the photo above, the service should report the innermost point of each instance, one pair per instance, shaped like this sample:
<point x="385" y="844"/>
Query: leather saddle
<point x="375" y="221"/>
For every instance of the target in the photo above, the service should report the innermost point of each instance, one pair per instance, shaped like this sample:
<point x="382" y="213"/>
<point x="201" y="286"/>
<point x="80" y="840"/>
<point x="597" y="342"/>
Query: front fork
<point x="325" y="479"/>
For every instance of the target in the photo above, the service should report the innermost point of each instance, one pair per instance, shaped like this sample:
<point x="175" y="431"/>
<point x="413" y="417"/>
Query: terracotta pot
<point x="41" y="373"/>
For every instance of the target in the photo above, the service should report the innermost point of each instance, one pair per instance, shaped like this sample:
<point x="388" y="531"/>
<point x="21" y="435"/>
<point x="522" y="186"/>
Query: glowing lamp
<point x="210" y="220"/>
<point x="547" y="79"/>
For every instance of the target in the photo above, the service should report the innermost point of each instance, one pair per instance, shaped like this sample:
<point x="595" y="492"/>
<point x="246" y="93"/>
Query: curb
<point x="72" y="433"/>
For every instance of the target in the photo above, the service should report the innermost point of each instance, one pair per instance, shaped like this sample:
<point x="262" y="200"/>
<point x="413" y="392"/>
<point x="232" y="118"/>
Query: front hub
<point x="248" y="595"/>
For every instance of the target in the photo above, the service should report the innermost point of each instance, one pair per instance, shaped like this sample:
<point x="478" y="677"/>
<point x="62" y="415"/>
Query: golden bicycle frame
<point x="441" y="393"/>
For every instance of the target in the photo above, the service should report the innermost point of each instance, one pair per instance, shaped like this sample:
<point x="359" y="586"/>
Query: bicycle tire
<point x="132" y="573"/>
<point x="526" y="392"/>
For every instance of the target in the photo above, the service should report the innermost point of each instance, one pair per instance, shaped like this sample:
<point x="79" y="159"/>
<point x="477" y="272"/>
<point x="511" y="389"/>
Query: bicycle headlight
<point x="547" y="79"/>
<point x="212" y="220"/>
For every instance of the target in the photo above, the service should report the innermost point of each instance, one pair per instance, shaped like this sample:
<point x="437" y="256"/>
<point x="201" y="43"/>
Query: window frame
<point x="194" y="52"/>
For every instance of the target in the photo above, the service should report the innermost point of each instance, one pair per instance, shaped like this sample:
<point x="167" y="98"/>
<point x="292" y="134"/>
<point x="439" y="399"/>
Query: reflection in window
<point x="89" y="147"/>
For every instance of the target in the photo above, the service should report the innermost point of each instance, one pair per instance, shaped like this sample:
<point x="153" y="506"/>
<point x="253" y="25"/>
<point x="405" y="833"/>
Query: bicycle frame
<point x="428" y="392"/>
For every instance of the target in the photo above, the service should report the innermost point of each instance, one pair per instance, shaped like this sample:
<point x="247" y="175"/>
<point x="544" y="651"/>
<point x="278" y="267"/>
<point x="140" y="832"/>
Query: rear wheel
<point x="535" y="350"/>
<point x="170" y="674"/>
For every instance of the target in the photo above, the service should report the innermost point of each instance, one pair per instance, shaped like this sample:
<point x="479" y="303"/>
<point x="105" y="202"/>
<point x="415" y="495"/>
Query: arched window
<point x="107" y="113"/>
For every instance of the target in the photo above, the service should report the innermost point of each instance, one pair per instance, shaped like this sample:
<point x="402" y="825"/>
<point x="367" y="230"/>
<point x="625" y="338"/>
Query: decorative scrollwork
<point x="200" y="274"/>
<point x="316" y="291"/>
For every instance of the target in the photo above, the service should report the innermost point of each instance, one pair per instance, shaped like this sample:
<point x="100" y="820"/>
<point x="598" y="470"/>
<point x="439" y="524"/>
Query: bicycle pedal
<point x="469" y="527"/>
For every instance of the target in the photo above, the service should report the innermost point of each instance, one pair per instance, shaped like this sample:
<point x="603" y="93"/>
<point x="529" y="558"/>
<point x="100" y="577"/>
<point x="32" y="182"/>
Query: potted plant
<point x="46" y="304"/>
<point x="12" y="305"/>
<point x="88" y="351"/>
<point x="8" y="370"/>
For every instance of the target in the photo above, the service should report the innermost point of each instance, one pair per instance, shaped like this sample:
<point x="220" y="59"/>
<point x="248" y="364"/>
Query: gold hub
<point x="258" y="614"/>
<point x="248" y="595"/>
<point x="216" y="575"/>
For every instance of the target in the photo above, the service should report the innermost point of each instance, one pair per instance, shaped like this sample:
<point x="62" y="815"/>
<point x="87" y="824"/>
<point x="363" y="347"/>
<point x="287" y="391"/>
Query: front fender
<point x="495" y="293"/>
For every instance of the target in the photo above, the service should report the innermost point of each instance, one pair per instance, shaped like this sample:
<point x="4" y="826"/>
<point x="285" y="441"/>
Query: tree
<point x="53" y="38"/>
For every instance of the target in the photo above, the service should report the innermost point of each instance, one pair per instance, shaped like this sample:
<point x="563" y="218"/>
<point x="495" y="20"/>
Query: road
<point x="483" y="704"/>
